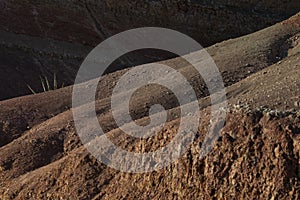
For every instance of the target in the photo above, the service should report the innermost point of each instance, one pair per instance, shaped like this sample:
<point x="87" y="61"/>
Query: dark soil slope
<point x="89" y="21"/>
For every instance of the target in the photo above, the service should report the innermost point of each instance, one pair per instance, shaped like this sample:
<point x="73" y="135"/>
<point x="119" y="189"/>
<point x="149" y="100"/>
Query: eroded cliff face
<point x="91" y="21"/>
<point x="256" y="157"/>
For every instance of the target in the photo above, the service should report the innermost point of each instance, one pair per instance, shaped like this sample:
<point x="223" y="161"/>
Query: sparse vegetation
<point x="46" y="84"/>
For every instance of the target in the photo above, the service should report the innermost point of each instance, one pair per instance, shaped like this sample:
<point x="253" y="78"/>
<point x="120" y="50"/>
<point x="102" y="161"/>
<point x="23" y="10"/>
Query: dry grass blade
<point x="47" y="83"/>
<point x="33" y="92"/>
<point x="43" y="84"/>
<point x="54" y="82"/>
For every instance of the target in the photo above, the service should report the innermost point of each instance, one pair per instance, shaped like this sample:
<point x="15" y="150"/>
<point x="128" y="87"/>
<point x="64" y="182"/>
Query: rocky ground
<point x="256" y="157"/>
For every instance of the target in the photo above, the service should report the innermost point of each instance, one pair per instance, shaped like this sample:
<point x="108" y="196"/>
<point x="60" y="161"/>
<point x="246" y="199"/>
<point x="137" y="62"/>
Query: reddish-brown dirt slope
<point x="256" y="157"/>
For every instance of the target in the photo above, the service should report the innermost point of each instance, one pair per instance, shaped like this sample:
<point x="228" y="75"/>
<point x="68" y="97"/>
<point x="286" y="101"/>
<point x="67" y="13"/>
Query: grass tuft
<point x="46" y="84"/>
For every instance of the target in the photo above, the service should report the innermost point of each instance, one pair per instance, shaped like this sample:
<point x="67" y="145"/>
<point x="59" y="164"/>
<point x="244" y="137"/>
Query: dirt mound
<point x="236" y="59"/>
<point x="295" y="20"/>
<point x="257" y="156"/>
